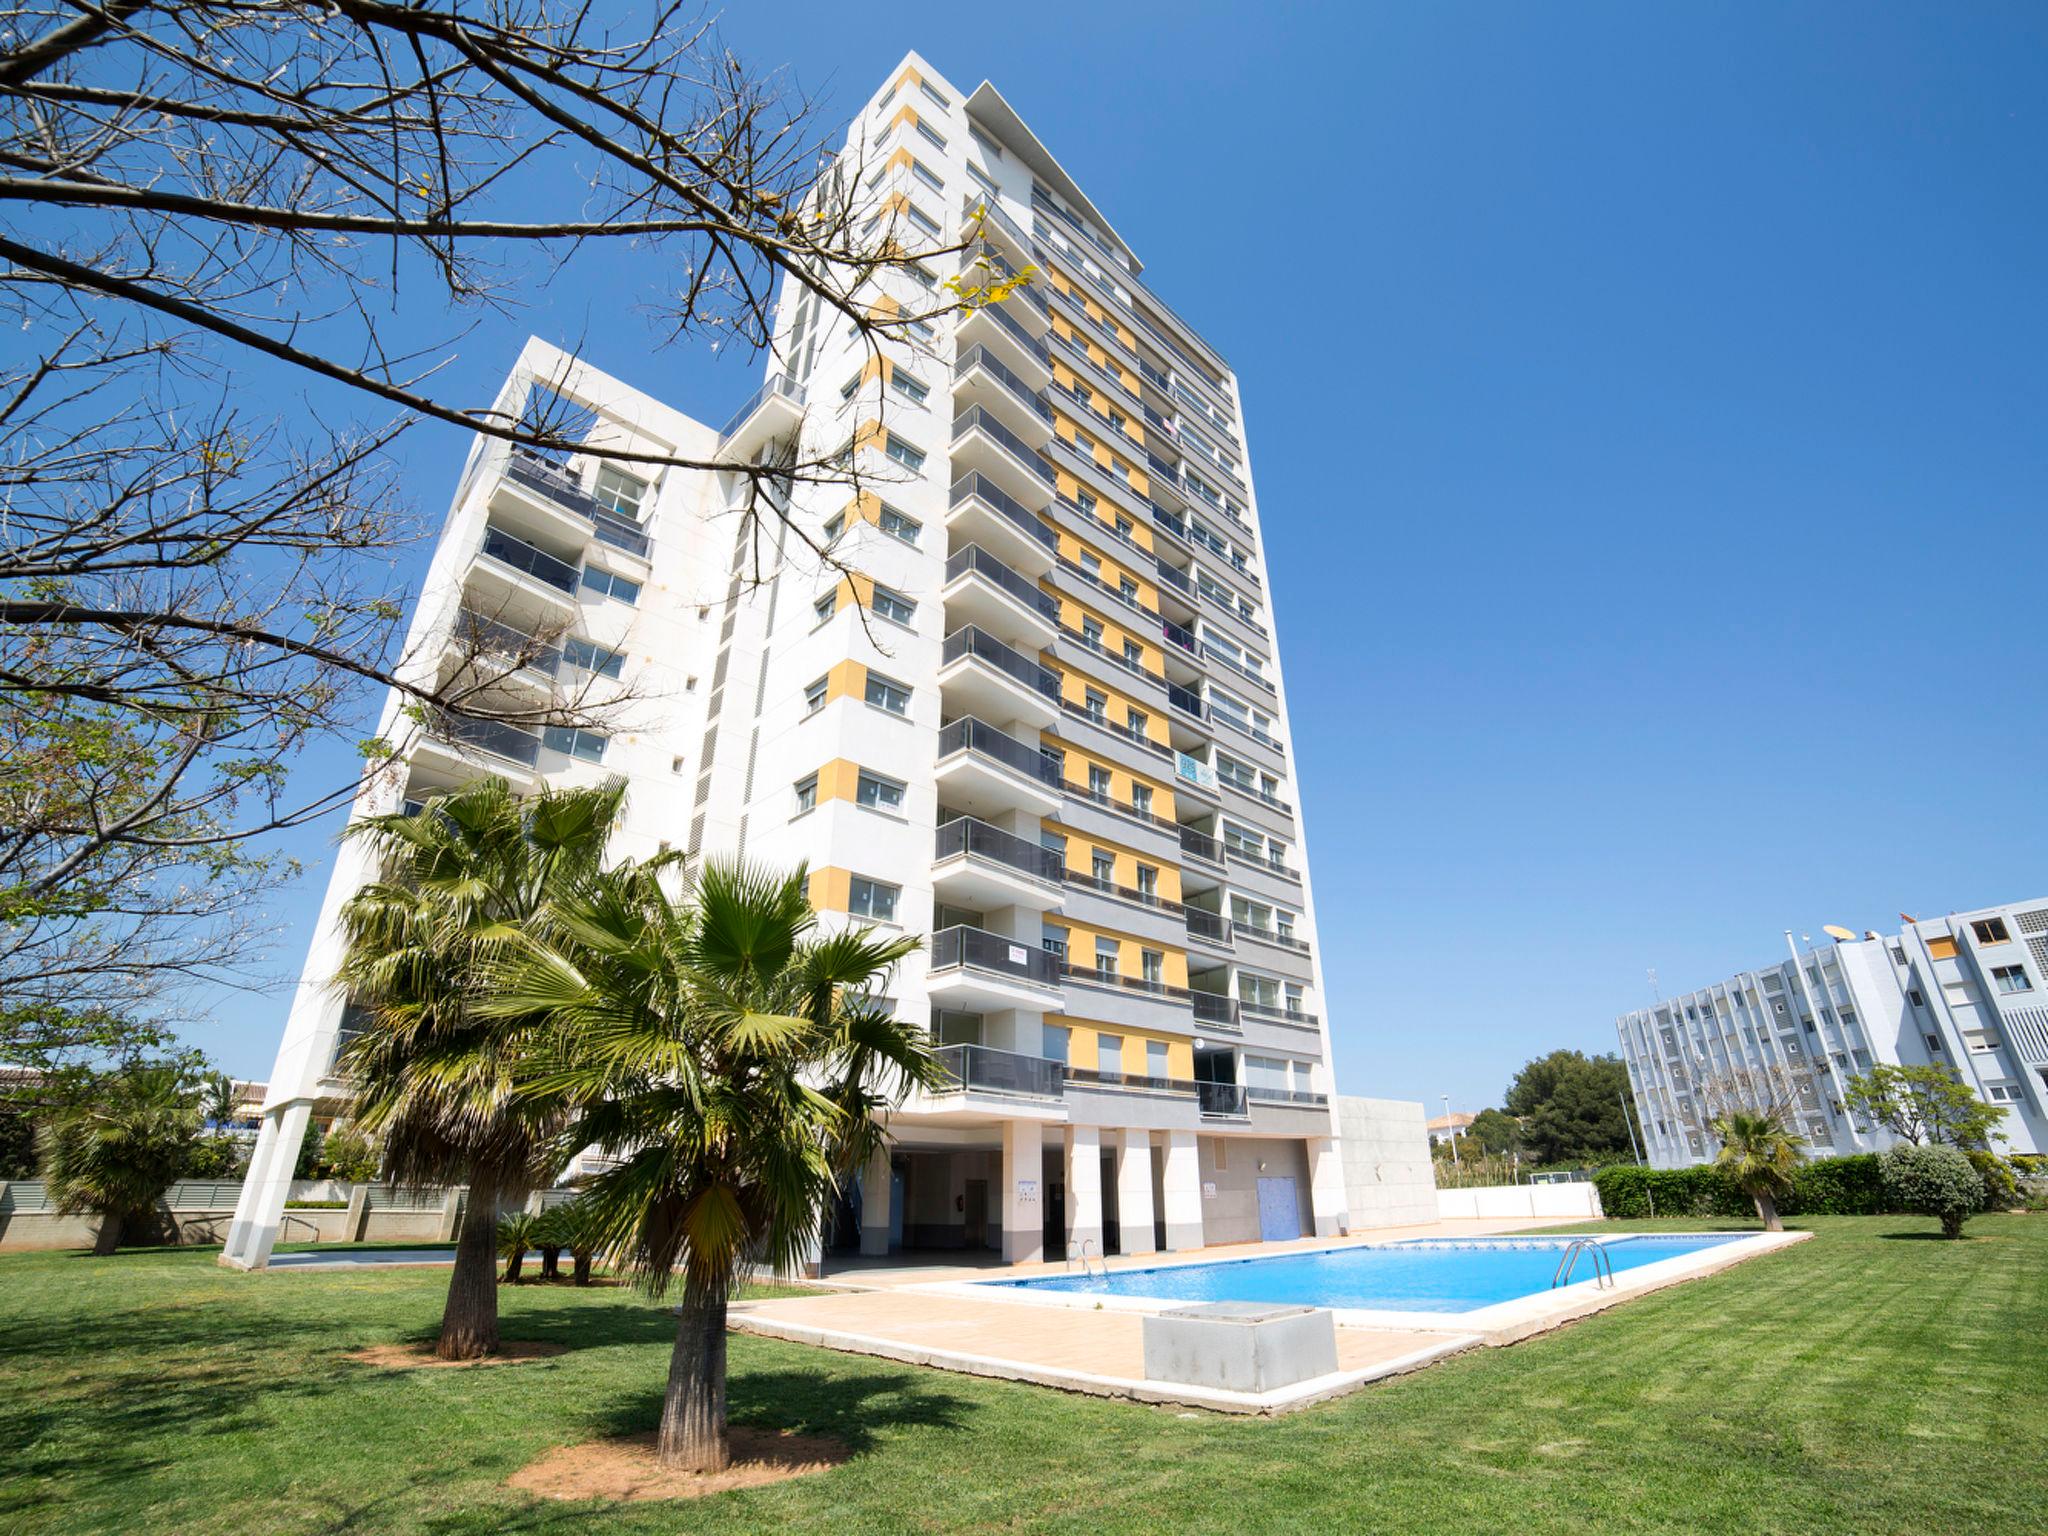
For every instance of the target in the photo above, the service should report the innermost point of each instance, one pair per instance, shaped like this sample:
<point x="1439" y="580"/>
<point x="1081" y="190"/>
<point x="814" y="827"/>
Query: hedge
<point x="1828" y="1186"/>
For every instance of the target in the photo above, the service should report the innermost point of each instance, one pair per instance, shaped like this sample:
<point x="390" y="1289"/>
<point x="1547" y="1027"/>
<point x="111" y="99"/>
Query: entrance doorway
<point x="975" y="1199"/>
<point x="1279" y="1211"/>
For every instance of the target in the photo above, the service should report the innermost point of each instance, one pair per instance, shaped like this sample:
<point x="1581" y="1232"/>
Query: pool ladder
<point x="1100" y="1262"/>
<point x="1603" y="1265"/>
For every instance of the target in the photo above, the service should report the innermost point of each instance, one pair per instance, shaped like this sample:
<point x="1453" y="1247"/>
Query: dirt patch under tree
<point x="626" y="1467"/>
<point x="421" y="1356"/>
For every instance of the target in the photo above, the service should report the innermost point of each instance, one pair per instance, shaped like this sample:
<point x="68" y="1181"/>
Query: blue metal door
<point x="1279" y="1211"/>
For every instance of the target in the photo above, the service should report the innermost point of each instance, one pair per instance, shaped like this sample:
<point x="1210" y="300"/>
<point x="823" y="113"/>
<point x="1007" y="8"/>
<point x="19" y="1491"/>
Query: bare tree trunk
<point x="108" y="1237"/>
<point x="1767" y="1208"/>
<point x="693" y="1437"/>
<point x="469" y="1323"/>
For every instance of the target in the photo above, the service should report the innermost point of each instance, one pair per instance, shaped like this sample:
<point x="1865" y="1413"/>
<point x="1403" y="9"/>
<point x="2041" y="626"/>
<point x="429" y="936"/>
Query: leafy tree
<point x="215" y="1157"/>
<point x="517" y="1233"/>
<point x="1759" y="1153"/>
<point x="1494" y="1133"/>
<point x="116" y="1153"/>
<point x="439" y="1079"/>
<point x="312" y="1153"/>
<point x="17" y="1142"/>
<point x="1926" y="1106"/>
<point x="1572" y="1107"/>
<point x="1934" y="1181"/>
<point x="350" y="1154"/>
<point x="735" y="1065"/>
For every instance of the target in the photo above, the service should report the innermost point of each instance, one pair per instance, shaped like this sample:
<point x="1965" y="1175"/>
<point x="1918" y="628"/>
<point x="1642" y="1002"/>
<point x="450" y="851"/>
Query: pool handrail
<point x="1569" y="1260"/>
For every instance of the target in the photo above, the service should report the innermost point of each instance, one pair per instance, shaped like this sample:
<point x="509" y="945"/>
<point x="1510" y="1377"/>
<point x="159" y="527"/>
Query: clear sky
<point x="1648" y="412"/>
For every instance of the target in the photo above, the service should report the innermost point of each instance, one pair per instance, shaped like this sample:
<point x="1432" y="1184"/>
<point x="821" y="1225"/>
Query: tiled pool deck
<point x="1088" y="1342"/>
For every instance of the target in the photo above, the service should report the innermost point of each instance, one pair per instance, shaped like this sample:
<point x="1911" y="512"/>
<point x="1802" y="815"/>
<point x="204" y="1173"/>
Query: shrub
<point x="1934" y="1181"/>
<point x="1838" y="1186"/>
<point x="2001" y="1189"/>
<point x="216" y="1157"/>
<point x="1826" y="1186"/>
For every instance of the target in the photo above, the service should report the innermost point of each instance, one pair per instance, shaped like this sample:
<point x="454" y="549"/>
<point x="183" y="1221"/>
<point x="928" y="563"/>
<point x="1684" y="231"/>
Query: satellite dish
<point x="1835" y="931"/>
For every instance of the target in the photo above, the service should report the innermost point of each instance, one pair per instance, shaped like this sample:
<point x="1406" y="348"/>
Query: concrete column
<point x="357" y="1220"/>
<point x="259" y="1209"/>
<point x="1084" y="1188"/>
<point x="1023" y="1203"/>
<point x="1327" y="1198"/>
<point x="1183" y="1190"/>
<point x="876" y="1192"/>
<point x="1134" y="1194"/>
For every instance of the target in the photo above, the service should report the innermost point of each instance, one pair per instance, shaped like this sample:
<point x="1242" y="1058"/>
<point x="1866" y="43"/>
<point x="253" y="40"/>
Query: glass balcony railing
<point x="1103" y="976"/>
<point x="1263" y="1095"/>
<point x="976" y="839"/>
<point x="985" y="565"/>
<point x="488" y="636"/>
<point x="993" y="366"/>
<point x="1224" y="1100"/>
<point x="984" y="1069"/>
<point x="1215" y="1008"/>
<point x="1270" y="936"/>
<point x="983" y="740"/>
<point x="977" y="949"/>
<point x="1186" y="700"/>
<point x="1207" y="925"/>
<point x="555" y="482"/>
<point x="1174" y="577"/>
<point x="1268" y="1011"/>
<point x="1201" y="845"/>
<point x="976" y="417"/>
<point x="1181" y="636"/>
<point x="984" y="647"/>
<point x="492" y="736"/>
<point x="778" y="384"/>
<point x="522" y="556"/>
<point x="980" y="487"/>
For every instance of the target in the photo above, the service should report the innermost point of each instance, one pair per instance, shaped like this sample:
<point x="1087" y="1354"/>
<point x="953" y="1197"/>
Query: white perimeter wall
<point x="1387" y="1176"/>
<point x="1565" y="1201"/>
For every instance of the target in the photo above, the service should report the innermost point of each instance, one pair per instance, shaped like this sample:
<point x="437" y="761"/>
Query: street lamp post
<point x="1451" y="1126"/>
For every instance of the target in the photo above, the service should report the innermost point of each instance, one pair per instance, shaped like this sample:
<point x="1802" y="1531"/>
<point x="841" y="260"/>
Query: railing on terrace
<point x="522" y="556"/>
<point x="1074" y="570"/>
<point x="984" y="1069"/>
<point x="1284" y="1096"/>
<point x="1030" y="343"/>
<point x="778" y="384"/>
<point x="1222" y="1099"/>
<point x="1109" y="802"/>
<point x="1131" y="1080"/>
<point x="1181" y="636"/>
<point x="975" y="207"/>
<point x="968" y="734"/>
<point x="493" y="736"/>
<point x="1284" y="1015"/>
<point x="980" y="487"/>
<point x="1207" y="925"/>
<point x="1253" y="792"/>
<point x="1135" y="668"/>
<point x="986" y="648"/>
<point x="556" y="483"/>
<point x="1210" y="653"/>
<point x="508" y="643"/>
<point x="1102" y="722"/>
<point x="1215" y="1008"/>
<point x="1096" y="976"/>
<point x="1186" y="700"/>
<point x="1270" y="936"/>
<point x="975" y="839"/>
<point x="1122" y="892"/>
<point x="976" y="949"/>
<point x="976" y="416"/>
<point x="1201" y="845"/>
<point x="1174" y="576"/>
<point x="985" y="565"/>
<point x="1261" y="861"/>
<point x="993" y="366"/>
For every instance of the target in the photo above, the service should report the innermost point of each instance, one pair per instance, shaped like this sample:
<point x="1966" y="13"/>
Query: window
<point x="1091" y="632"/>
<point x="894" y="605"/>
<point x="2002" y="1093"/>
<point x="981" y="178"/>
<point x="910" y="458"/>
<point x="1109" y="1054"/>
<point x="1105" y="957"/>
<point x="2011" y="978"/>
<point x="1934" y="1045"/>
<point x="1053" y="940"/>
<point x="1098" y="782"/>
<point x="1054" y="1042"/>
<point x="924" y="174"/>
<point x="1103" y="867"/>
<point x="826" y="606"/>
<point x="884" y="694"/>
<point x="1136" y="720"/>
<point x="834" y="527"/>
<point x="932" y="95"/>
<point x="806" y="794"/>
<point x="921" y="219"/>
<point x="1148" y="881"/>
<point x="931" y="135"/>
<point x="1058" y="759"/>
<point x="1141" y="799"/>
<point x="1097" y="706"/>
<point x="908" y="387"/>
<point x="878" y="793"/>
<point x="897" y="526"/>
<point x="1092" y="564"/>
<point x="1912" y="996"/>
<point x="619" y="492"/>
<point x="1053" y="842"/>
<point x="591" y="657"/>
<point x="1152" y="963"/>
<point x="988" y="145"/>
<point x="871" y="898"/>
<point x="1991" y="930"/>
<point x="1134" y="655"/>
<point x="814" y="696"/>
<point x="1128" y="590"/>
<point x="605" y="584"/>
<point x="588" y="745"/>
<point x="850" y="388"/>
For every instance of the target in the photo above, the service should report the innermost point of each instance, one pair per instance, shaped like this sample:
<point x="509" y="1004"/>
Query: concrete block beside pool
<point x="1240" y="1346"/>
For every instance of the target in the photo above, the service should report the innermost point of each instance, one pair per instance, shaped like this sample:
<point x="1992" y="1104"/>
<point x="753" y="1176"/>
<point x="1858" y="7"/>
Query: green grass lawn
<point x="1869" y="1381"/>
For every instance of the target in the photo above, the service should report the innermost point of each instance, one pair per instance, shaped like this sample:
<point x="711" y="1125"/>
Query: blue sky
<point x="1647" y="410"/>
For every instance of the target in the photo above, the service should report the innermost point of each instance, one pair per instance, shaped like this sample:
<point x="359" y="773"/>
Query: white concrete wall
<point x="1567" y="1202"/>
<point x="1388" y="1180"/>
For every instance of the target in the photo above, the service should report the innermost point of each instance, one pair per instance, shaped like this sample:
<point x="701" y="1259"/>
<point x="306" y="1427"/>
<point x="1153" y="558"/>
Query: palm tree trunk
<point x="1767" y="1208"/>
<point x="469" y="1323"/>
<point x="693" y="1437"/>
<point x="582" y="1259"/>
<point x="108" y="1237"/>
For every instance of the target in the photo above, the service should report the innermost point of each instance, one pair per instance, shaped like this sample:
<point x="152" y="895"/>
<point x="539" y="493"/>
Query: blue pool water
<point x="1424" y="1275"/>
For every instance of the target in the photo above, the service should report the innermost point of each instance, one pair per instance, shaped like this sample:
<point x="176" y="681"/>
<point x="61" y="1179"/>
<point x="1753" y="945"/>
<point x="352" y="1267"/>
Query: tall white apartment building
<point x="1968" y="992"/>
<point x="1040" y="721"/>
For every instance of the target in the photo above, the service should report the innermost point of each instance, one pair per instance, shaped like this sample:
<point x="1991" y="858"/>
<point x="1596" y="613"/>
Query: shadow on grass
<point x="850" y="1405"/>
<point x="1922" y="1237"/>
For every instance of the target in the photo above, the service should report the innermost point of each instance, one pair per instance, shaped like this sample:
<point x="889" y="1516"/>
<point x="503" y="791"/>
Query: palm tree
<point x="1759" y="1153"/>
<point x="437" y="1080"/>
<point x="117" y="1152"/>
<point x="736" y="1065"/>
<point x="517" y="1233"/>
<point x="218" y="1101"/>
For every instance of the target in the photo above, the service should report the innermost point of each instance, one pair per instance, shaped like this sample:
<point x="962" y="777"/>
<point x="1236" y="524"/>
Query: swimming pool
<point x="1460" y="1274"/>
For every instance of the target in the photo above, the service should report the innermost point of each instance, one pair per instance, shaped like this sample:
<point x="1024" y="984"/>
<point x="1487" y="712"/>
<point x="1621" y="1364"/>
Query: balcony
<point x="479" y="741"/>
<point x="520" y="583"/>
<point x="1123" y="732"/>
<point x="1180" y="635"/>
<point x="1098" y="976"/>
<point x="984" y="1069"/>
<point x="1185" y="700"/>
<point x="1208" y="928"/>
<point x="770" y="412"/>
<point x="979" y="675"/>
<point x="986" y="216"/>
<point x="980" y="590"/>
<point x="1193" y="773"/>
<point x="503" y="653"/>
<point x="992" y="326"/>
<point x="1256" y="679"/>
<point x="980" y="378"/>
<point x="1130" y="893"/>
<point x="1130" y="1082"/>
<point x="1271" y="936"/>
<point x="552" y="483"/>
<point x="983" y="445"/>
<point x="1282" y="1015"/>
<point x="982" y="512"/>
<point x="986" y="772"/>
<point x="1293" y="1096"/>
<point x="1216" y="1011"/>
<point x="980" y="866"/>
<point x="1222" y="1101"/>
<point x="981" y="971"/>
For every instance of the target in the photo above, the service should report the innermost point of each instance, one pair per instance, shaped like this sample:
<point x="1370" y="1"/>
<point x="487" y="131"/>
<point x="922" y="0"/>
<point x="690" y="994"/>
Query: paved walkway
<point x="363" y="1259"/>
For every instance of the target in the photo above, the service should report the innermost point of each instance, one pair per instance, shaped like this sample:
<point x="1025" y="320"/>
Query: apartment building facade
<point x="1968" y="992"/>
<point x="1027" y="705"/>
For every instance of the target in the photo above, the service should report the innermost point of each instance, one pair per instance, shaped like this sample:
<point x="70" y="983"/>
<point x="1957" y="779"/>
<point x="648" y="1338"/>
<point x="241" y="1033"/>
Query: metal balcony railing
<point x="1132" y="1080"/>
<point x="1207" y="925"/>
<point x="1109" y="802"/>
<point x="1285" y="1096"/>
<point x="1266" y="1011"/>
<point x="979" y="417"/>
<point x="1270" y="936"/>
<point x="1097" y="976"/>
<point x="1210" y="653"/>
<point x="778" y="384"/>
<point x="507" y="643"/>
<point x="1201" y="845"/>
<point x="986" y="648"/>
<point x="968" y="734"/>
<point x="1186" y="700"/>
<point x="993" y="366"/>
<point x="1215" y="1008"/>
<point x="1221" y="1099"/>
<point x="1136" y="668"/>
<point x="984" y="1069"/>
<point x="492" y="736"/>
<point x="556" y="483"/>
<point x="1180" y="635"/>
<point x="985" y="565"/>
<point x="981" y="487"/>
<point x="522" y="556"/>
<point x="977" y="949"/>
<point x="1122" y="892"/>
<point x="976" y="839"/>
